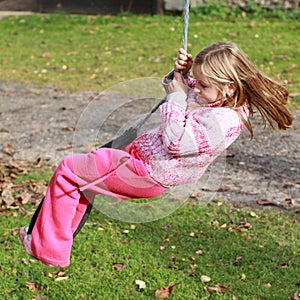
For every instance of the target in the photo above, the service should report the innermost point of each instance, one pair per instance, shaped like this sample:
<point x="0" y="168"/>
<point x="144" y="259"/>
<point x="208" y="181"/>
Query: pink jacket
<point x="186" y="142"/>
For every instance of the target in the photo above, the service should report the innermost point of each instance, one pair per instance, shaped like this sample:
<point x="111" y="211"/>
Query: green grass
<point x="72" y="52"/>
<point x="255" y="256"/>
<point x="34" y="175"/>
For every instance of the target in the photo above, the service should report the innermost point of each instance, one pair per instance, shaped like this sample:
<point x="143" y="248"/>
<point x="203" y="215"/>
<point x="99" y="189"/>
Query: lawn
<point x="207" y="251"/>
<point x="245" y="254"/>
<point x="73" y="52"/>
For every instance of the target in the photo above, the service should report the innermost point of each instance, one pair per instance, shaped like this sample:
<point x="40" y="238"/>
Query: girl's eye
<point x="202" y="85"/>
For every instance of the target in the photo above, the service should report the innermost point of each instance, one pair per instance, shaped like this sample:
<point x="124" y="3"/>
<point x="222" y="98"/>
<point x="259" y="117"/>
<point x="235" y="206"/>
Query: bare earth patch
<point x="40" y="123"/>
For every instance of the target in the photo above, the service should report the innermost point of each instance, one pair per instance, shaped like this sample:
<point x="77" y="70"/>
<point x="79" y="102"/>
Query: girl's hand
<point x="184" y="62"/>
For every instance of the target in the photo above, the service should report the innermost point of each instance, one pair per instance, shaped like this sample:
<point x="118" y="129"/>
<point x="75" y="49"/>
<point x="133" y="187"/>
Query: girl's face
<point x="207" y="92"/>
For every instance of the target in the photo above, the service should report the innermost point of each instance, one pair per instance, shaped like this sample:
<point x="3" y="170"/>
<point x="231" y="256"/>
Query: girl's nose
<point x="196" y="90"/>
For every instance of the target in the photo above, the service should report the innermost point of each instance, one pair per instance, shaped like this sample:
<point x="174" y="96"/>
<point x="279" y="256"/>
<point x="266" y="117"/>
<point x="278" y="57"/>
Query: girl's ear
<point x="230" y="89"/>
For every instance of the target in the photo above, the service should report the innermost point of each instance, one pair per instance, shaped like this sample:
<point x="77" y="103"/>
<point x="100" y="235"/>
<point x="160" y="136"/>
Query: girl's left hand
<point x="184" y="62"/>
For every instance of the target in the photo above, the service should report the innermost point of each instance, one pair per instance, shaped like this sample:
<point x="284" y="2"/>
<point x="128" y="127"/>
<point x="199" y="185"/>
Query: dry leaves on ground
<point x="216" y="288"/>
<point x="13" y="196"/>
<point x="164" y="293"/>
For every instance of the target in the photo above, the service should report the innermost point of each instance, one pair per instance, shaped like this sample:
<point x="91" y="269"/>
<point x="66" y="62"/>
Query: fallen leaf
<point x="166" y="226"/>
<point x="283" y="244"/>
<point x="39" y="162"/>
<point x="223" y="189"/>
<point x="70" y="128"/>
<point x="9" y="149"/>
<point x="25" y="261"/>
<point x="296" y="296"/>
<point x="205" y="278"/>
<point x="237" y="260"/>
<point x="60" y="273"/>
<point x="290" y="69"/>
<point x="39" y="186"/>
<point x="25" y="197"/>
<point x="164" y="293"/>
<point x="147" y="206"/>
<point x="32" y="286"/>
<point x="216" y="288"/>
<point x="288" y="202"/>
<point x="61" y="278"/>
<point x="118" y="266"/>
<point x="159" y="58"/>
<point x="196" y="196"/>
<point x="72" y="53"/>
<point x="7" y="193"/>
<point x="141" y="284"/>
<point x="46" y="54"/>
<point x="48" y="274"/>
<point x="253" y="214"/>
<point x="265" y="202"/>
<point x="66" y="147"/>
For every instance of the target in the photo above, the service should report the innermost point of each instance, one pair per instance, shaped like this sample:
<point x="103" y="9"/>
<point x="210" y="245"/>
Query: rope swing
<point x="130" y="134"/>
<point x="126" y="137"/>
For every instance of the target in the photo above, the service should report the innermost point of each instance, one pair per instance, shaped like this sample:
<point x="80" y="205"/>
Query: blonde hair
<point x="224" y="63"/>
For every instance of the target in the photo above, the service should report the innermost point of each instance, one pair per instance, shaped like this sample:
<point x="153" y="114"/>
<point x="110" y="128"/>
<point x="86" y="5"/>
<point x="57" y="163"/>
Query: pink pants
<point x="77" y="179"/>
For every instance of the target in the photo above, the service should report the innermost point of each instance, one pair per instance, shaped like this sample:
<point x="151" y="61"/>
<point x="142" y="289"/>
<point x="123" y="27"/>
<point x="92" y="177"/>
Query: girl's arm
<point x="181" y="71"/>
<point x="178" y="126"/>
<point x="203" y="131"/>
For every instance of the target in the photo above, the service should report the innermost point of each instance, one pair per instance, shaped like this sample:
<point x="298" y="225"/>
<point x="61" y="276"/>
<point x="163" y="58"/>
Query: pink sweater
<point x="186" y="142"/>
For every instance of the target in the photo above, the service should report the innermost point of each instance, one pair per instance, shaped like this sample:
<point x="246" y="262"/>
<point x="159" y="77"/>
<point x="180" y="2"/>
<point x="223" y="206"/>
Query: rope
<point x="186" y="24"/>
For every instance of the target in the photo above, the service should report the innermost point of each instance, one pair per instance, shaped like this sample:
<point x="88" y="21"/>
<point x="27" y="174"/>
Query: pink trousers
<point x="77" y="179"/>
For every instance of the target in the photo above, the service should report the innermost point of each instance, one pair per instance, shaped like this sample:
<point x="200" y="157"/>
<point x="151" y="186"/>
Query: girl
<point x="203" y="115"/>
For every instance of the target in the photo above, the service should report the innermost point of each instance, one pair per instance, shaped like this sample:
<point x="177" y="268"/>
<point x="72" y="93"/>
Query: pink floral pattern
<point x="187" y="141"/>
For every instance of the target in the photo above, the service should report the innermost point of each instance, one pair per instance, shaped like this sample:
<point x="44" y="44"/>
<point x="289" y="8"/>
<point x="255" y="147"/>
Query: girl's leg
<point x="59" y="216"/>
<point x="75" y="182"/>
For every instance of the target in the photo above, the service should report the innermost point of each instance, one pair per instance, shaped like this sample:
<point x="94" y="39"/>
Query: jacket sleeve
<point x="205" y="130"/>
<point x="168" y="79"/>
<point x="182" y="134"/>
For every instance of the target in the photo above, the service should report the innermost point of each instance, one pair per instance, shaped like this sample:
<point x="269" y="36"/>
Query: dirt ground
<point x="40" y="123"/>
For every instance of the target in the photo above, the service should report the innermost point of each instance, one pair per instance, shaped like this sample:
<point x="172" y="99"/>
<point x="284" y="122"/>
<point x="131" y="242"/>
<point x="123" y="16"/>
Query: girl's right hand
<point x="184" y="62"/>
